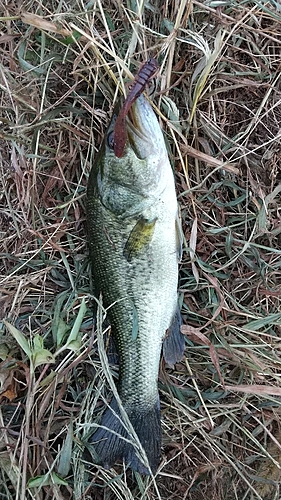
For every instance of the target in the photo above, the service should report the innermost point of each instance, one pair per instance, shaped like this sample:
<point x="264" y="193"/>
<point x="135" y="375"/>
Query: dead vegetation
<point x="218" y="96"/>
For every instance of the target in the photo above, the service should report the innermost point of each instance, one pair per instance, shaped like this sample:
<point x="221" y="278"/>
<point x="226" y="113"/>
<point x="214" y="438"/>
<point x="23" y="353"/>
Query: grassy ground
<point x="62" y="65"/>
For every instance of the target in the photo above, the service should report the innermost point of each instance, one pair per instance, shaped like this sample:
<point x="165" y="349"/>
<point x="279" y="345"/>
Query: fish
<point x="135" y="246"/>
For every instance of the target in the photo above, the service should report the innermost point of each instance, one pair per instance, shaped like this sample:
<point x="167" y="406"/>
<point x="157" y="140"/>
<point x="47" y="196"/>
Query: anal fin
<point x="174" y="342"/>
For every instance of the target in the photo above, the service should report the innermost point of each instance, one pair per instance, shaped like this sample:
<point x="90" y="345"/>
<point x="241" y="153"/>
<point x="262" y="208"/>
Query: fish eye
<point x="151" y="87"/>
<point x="110" y="140"/>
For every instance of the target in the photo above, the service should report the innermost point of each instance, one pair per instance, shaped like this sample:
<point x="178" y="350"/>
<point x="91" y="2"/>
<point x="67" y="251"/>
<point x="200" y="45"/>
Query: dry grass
<point x="219" y="101"/>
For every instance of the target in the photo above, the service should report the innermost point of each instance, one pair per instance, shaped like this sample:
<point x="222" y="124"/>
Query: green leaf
<point x="262" y="322"/>
<point x="204" y="66"/>
<point x="38" y="343"/>
<point x="75" y="35"/>
<point x="172" y="112"/>
<point x="48" y="380"/>
<point x="66" y="451"/>
<point x="4" y="351"/>
<point x="74" y="340"/>
<point x="42" y="357"/>
<point x="27" y="66"/>
<point x="166" y="23"/>
<point x="74" y="345"/>
<point x="59" y="327"/>
<point x="62" y="329"/>
<point x="77" y="324"/>
<point x="46" y="480"/>
<point x="110" y="22"/>
<point x="20" y="338"/>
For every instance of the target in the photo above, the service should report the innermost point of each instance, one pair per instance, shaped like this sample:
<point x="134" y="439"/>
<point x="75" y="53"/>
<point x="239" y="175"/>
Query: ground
<point x="218" y="98"/>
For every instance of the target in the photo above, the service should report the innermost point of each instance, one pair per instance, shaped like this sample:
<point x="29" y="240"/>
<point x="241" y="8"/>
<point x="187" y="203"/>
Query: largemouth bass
<point x="135" y="243"/>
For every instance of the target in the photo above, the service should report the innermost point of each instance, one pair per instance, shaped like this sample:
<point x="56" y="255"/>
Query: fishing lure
<point x="144" y="75"/>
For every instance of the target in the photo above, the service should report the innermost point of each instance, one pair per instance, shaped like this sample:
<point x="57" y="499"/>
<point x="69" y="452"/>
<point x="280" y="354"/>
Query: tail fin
<point x="112" y="441"/>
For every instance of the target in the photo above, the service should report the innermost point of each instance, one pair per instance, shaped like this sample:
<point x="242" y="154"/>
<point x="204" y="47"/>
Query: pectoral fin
<point x="139" y="238"/>
<point x="135" y="326"/>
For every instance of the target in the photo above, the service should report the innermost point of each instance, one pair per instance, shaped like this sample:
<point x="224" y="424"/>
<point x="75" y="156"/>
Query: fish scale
<point x="134" y="249"/>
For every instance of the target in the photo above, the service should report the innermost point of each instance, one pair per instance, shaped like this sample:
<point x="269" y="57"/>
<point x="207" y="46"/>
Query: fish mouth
<point x="141" y="128"/>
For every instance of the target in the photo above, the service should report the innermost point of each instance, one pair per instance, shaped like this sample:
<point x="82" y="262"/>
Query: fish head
<point x="129" y="184"/>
